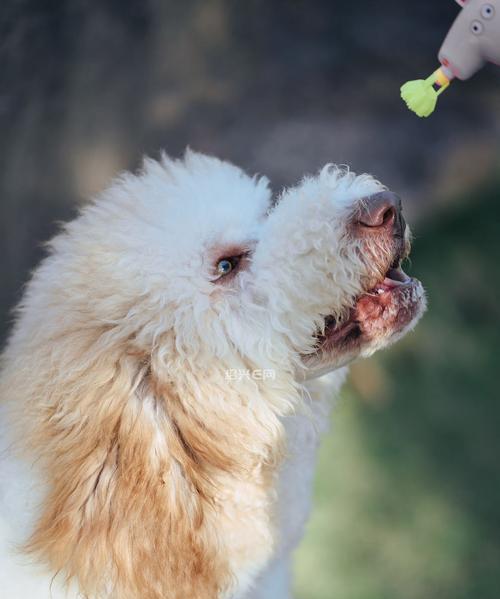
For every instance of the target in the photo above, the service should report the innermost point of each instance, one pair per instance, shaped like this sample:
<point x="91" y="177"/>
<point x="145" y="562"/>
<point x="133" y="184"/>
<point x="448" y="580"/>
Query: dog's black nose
<point x="381" y="211"/>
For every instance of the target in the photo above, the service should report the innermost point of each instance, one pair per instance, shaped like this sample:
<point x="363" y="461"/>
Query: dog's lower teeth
<point x="380" y="291"/>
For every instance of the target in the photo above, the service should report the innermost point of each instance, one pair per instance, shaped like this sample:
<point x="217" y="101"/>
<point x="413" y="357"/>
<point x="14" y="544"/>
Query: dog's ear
<point x="129" y="491"/>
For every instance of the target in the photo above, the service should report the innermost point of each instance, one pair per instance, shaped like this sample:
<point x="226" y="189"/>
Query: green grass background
<point x="407" y="497"/>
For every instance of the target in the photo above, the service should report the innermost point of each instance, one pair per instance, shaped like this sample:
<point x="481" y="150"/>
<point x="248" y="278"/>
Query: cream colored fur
<point x="135" y="463"/>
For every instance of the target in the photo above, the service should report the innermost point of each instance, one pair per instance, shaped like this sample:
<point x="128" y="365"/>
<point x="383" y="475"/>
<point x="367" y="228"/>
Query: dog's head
<point x="173" y="323"/>
<point x="219" y="277"/>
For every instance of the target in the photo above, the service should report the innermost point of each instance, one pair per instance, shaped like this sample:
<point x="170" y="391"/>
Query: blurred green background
<point x="407" y="502"/>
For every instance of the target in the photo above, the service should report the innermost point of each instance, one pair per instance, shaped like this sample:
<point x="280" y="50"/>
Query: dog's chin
<point x="380" y="316"/>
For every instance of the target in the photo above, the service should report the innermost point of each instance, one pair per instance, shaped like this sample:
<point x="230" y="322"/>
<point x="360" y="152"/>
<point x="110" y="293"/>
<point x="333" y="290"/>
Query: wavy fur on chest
<point x="137" y="500"/>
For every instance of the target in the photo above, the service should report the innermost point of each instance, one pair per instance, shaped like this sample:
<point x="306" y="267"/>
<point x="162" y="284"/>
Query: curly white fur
<point x="132" y="464"/>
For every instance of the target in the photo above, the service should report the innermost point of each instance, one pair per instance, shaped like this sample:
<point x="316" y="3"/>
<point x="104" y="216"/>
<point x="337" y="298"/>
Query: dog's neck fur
<point x="232" y="517"/>
<point x="141" y="473"/>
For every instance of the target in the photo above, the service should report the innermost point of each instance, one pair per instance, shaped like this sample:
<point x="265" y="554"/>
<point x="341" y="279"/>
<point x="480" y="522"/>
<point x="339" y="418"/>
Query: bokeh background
<point x="407" y="499"/>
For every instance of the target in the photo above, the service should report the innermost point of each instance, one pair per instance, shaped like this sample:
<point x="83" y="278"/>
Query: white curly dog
<point x="172" y="361"/>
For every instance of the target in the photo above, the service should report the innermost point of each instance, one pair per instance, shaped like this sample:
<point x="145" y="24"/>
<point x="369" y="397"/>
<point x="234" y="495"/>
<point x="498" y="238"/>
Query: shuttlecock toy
<point x="472" y="41"/>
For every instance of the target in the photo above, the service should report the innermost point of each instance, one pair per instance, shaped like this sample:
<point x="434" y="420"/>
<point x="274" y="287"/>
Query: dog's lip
<point x="394" y="277"/>
<point x="395" y="281"/>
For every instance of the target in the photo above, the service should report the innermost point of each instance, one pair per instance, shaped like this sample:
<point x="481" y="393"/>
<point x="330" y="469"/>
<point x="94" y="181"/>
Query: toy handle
<point x="441" y="79"/>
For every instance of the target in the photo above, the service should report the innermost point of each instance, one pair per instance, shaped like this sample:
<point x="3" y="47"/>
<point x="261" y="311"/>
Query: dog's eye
<point x="227" y="265"/>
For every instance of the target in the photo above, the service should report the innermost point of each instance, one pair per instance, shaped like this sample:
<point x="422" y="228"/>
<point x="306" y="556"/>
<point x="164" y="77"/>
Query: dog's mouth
<point x="381" y="312"/>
